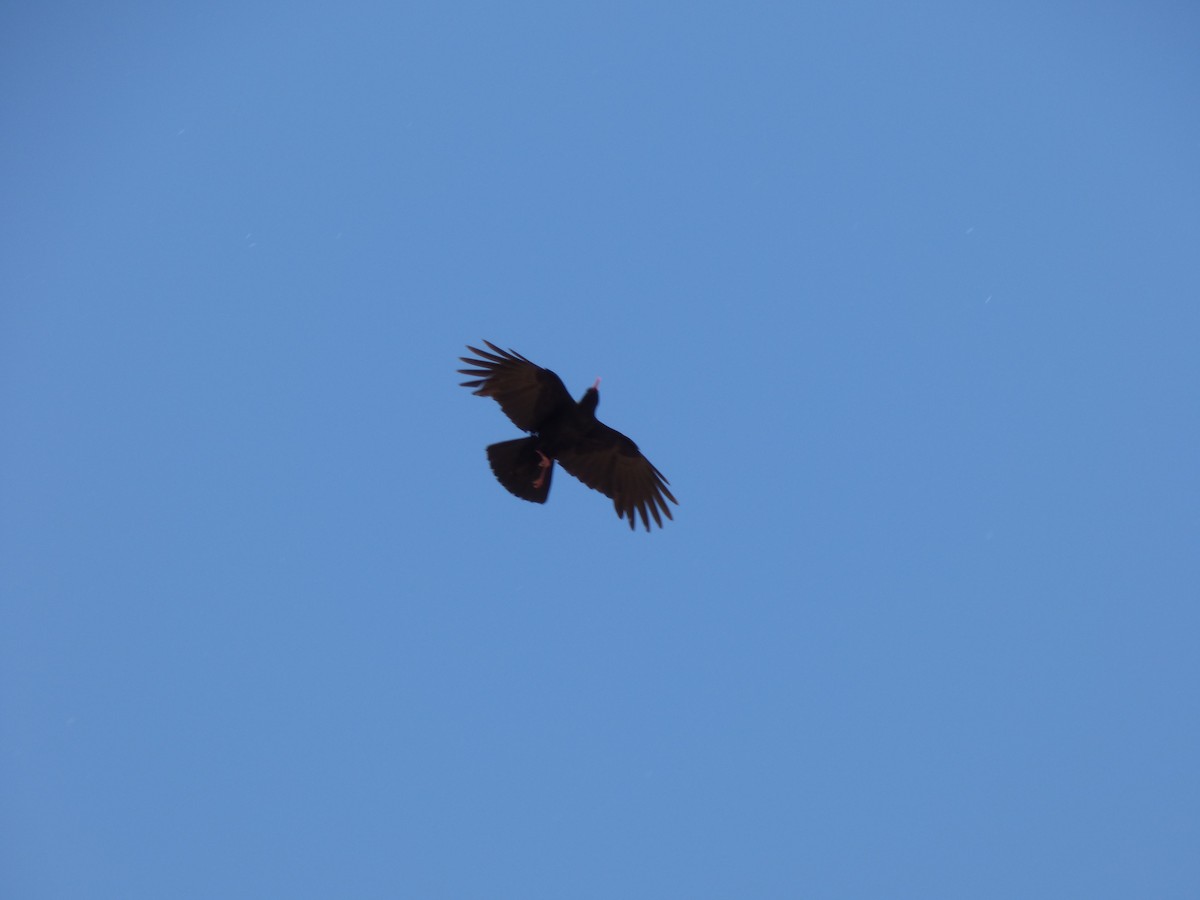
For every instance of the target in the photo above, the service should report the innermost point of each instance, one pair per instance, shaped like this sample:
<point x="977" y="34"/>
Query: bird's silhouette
<point x="562" y="431"/>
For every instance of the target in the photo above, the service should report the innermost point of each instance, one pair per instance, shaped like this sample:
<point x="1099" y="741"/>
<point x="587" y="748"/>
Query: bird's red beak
<point x="596" y="386"/>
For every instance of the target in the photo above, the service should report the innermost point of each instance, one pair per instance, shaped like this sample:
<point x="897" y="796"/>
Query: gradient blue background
<point x="902" y="299"/>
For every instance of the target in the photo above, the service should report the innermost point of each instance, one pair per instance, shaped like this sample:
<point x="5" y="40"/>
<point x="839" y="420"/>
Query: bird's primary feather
<point x="536" y="401"/>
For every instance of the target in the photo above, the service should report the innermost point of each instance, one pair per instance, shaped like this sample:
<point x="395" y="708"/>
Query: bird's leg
<point x="546" y="463"/>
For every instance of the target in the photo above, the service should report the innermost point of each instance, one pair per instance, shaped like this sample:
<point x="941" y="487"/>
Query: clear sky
<point x="903" y="300"/>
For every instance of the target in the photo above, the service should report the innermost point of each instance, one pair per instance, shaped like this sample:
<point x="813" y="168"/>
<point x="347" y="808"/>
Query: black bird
<point x="602" y="458"/>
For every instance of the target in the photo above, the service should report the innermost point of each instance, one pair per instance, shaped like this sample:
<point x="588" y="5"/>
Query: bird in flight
<point x="561" y="430"/>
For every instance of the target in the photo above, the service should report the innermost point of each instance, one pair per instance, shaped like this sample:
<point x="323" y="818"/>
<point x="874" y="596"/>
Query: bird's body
<point x="562" y="430"/>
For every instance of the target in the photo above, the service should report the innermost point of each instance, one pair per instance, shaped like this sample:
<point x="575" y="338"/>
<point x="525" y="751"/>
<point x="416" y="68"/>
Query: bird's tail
<point x="518" y="466"/>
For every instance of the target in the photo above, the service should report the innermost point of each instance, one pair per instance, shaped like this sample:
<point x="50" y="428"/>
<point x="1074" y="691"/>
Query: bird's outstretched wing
<point x="527" y="393"/>
<point x="611" y="463"/>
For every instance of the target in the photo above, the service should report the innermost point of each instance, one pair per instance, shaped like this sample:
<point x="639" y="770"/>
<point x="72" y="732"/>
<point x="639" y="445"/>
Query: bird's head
<point x="591" y="397"/>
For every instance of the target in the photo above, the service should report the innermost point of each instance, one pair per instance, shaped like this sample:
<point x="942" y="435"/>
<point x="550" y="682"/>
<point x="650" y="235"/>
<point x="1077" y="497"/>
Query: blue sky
<point x="901" y="299"/>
